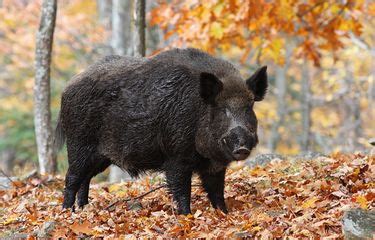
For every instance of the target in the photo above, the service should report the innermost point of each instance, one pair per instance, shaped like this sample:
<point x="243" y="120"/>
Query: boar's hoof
<point x="71" y="207"/>
<point x="222" y="207"/>
<point x="81" y="204"/>
<point x="181" y="211"/>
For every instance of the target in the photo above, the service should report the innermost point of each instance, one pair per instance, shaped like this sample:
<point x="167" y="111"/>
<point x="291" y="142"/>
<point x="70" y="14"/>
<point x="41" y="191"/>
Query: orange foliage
<point x="260" y="24"/>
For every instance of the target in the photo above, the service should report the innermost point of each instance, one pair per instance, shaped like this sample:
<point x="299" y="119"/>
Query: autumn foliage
<point x="285" y="198"/>
<point x="263" y="26"/>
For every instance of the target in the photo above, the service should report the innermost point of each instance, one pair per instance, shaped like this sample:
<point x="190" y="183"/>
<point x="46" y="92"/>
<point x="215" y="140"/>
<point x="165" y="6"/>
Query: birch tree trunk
<point x="139" y="27"/>
<point x="104" y="12"/>
<point x="42" y="112"/>
<point x="121" y="43"/>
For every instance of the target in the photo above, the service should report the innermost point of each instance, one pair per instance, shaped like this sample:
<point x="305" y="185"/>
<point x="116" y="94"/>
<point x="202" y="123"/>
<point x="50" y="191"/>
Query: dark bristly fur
<point x="180" y="112"/>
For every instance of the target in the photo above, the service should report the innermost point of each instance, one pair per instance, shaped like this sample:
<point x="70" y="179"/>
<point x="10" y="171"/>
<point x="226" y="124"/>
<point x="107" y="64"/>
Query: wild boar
<point x="182" y="112"/>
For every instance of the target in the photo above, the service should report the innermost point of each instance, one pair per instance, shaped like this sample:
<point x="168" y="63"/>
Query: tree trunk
<point x="116" y="174"/>
<point x="121" y="40"/>
<point x="139" y="28"/>
<point x="121" y="45"/>
<point x="105" y="12"/>
<point x="306" y="108"/>
<point x="353" y="119"/>
<point x="281" y="90"/>
<point x="42" y="112"/>
<point x="280" y="79"/>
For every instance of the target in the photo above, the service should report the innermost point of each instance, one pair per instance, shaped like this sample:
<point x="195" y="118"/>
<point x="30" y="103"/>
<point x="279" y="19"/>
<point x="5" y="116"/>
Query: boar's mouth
<point x="228" y="156"/>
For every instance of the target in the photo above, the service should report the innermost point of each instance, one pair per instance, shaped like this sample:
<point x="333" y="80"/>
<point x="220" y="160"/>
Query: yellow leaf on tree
<point x="216" y="30"/>
<point x="218" y="9"/>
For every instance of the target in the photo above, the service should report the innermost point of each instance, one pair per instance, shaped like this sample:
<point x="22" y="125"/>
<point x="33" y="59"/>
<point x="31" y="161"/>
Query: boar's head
<point x="228" y="127"/>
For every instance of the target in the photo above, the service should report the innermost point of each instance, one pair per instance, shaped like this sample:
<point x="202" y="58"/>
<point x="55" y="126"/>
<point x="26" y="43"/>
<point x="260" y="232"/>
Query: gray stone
<point x="46" y="230"/>
<point x="243" y="235"/>
<point x="263" y="159"/>
<point x="372" y="141"/>
<point x="5" y="182"/>
<point x="309" y="155"/>
<point x="15" y="236"/>
<point x="134" y="205"/>
<point x="358" y="224"/>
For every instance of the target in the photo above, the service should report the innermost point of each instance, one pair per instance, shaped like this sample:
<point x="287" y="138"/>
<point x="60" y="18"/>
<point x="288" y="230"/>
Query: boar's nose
<point x="241" y="153"/>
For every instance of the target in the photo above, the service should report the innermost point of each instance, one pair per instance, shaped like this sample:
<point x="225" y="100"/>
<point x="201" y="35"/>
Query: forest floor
<point x="283" y="198"/>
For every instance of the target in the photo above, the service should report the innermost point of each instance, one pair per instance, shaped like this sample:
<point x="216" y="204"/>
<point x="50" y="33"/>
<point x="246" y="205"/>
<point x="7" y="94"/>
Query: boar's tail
<point x="59" y="139"/>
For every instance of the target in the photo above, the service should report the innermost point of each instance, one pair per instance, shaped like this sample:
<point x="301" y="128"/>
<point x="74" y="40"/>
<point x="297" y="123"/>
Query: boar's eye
<point x="249" y="107"/>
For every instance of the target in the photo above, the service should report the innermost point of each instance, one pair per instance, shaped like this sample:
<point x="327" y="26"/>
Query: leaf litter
<point x="297" y="199"/>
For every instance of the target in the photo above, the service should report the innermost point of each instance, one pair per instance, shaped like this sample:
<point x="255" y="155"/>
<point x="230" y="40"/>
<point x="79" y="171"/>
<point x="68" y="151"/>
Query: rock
<point x="243" y="235"/>
<point x="263" y="159"/>
<point x="307" y="156"/>
<point x="15" y="236"/>
<point x="46" y="230"/>
<point x="372" y="141"/>
<point x="359" y="224"/>
<point x="6" y="183"/>
<point x="134" y="205"/>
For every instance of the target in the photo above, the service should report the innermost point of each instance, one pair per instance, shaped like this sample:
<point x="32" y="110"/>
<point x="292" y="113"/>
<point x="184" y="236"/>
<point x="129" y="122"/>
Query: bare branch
<point x="5" y="175"/>
<point x="142" y="195"/>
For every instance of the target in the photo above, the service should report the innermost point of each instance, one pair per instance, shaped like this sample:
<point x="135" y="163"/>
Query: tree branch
<point x="142" y="195"/>
<point x="5" y="175"/>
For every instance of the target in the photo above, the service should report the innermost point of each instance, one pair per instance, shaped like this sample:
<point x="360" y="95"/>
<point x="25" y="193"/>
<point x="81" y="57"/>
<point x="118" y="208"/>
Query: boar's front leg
<point x="179" y="184"/>
<point x="213" y="183"/>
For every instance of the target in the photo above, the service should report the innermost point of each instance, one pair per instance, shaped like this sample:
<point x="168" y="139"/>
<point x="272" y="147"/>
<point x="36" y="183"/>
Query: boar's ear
<point x="258" y="84"/>
<point x="210" y="87"/>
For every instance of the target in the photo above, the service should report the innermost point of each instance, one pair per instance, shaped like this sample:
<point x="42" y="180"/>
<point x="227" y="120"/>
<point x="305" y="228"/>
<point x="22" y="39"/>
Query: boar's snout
<point x="239" y="142"/>
<point x="241" y="153"/>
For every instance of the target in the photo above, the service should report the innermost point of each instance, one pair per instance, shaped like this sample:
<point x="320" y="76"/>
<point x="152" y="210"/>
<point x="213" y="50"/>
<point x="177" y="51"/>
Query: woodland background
<point x="319" y="56"/>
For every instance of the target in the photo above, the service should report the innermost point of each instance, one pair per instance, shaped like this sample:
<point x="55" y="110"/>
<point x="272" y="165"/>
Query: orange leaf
<point x="85" y="228"/>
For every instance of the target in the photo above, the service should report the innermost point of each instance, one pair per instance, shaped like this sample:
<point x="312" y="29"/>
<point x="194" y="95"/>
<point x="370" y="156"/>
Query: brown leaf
<point x="84" y="227"/>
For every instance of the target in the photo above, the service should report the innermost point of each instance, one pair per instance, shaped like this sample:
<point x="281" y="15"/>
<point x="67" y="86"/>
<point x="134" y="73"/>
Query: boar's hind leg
<point x="77" y="171"/>
<point x="101" y="163"/>
<point x="213" y="183"/>
<point x="179" y="184"/>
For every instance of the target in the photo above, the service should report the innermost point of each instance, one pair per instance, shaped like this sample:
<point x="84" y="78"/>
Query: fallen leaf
<point x="362" y="201"/>
<point x="310" y="203"/>
<point x="197" y="213"/>
<point x="84" y="227"/>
